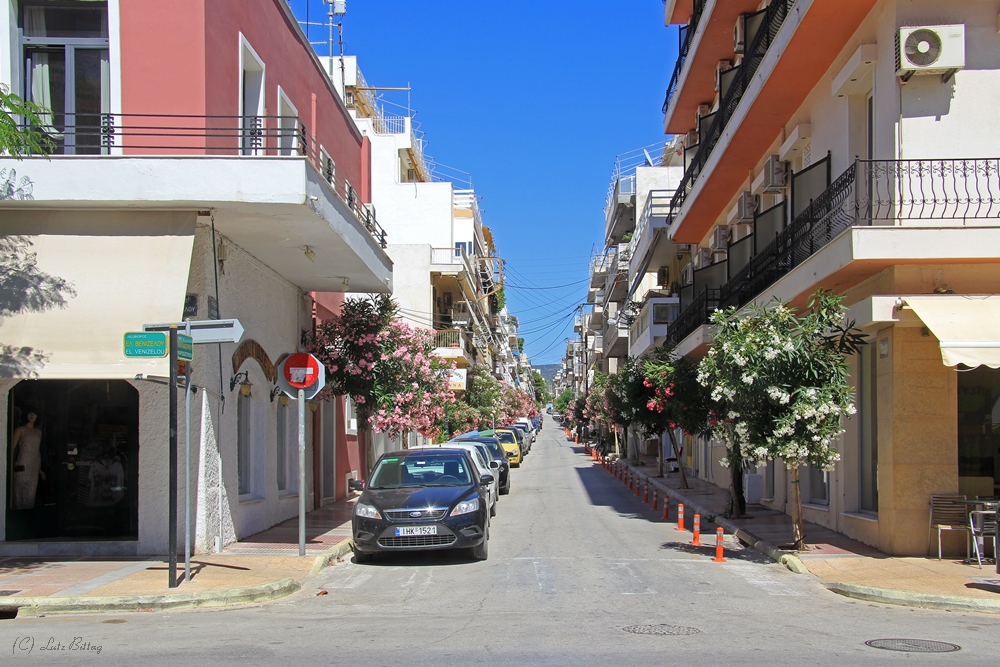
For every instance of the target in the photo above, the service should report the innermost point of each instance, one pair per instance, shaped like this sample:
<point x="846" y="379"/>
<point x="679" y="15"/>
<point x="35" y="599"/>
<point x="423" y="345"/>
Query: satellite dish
<point x="649" y="160"/>
<point x="923" y="47"/>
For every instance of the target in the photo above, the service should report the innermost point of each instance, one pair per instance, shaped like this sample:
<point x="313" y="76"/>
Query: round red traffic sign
<point x="301" y="370"/>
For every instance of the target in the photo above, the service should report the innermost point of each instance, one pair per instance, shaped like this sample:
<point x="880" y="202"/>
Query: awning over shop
<point x="84" y="279"/>
<point x="967" y="326"/>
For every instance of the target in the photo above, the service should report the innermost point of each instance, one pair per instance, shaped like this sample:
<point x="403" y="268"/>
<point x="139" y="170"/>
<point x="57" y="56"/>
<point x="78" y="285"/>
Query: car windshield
<point x="395" y="472"/>
<point x="507" y="437"/>
<point x="494" y="447"/>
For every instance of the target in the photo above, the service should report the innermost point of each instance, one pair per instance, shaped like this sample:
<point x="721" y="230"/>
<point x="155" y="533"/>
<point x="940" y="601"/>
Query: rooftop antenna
<point x="338" y="8"/>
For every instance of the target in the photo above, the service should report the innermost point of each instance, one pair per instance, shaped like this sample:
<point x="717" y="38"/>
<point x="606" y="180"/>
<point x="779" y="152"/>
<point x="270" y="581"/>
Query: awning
<point x="967" y="326"/>
<point x="85" y="278"/>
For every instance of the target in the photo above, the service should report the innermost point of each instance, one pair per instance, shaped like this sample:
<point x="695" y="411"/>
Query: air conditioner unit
<point x="687" y="274"/>
<point x="720" y="238"/>
<point x="739" y="32"/>
<point x="691" y="139"/>
<point x="746" y="205"/>
<point x="663" y="276"/>
<point x="775" y="174"/>
<point x="704" y="110"/>
<point x="703" y="257"/>
<point x="721" y="67"/>
<point x="936" y="49"/>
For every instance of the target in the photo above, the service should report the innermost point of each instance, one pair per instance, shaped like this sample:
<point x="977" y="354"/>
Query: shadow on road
<point x="422" y="558"/>
<point x="742" y="554"/>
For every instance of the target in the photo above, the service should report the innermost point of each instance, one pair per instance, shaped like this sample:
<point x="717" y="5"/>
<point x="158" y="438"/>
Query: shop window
<point x="244" y="449"/>
<point x="868" y="428"/>
<point x="978" y="431"/>
<point x="819" y="486"/>
<point x="72" y="457"/>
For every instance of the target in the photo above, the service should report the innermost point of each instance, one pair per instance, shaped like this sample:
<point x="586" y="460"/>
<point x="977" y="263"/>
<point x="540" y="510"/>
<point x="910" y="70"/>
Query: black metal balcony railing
<point x="758" y="44"/>
<point x="180" y="134"/>
<point x="869" y="192"/>
<point x="685" y="36"/>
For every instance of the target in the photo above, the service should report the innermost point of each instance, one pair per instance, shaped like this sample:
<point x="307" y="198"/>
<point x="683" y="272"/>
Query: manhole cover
<point x="661" y="630"/>
<point x="913" y="645"/>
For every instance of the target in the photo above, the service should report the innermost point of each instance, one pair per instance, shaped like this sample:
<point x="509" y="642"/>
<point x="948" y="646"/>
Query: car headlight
<point x="465" y="507"/>
<point x="366" y="511"/>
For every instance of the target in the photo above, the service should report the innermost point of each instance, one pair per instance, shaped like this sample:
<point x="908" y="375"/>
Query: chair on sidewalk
<point x="983" y="524"/>
<point x="949" y="513"/>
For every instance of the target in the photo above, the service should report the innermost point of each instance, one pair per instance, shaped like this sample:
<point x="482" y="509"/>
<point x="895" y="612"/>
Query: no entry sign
<point x="301" y="371"/>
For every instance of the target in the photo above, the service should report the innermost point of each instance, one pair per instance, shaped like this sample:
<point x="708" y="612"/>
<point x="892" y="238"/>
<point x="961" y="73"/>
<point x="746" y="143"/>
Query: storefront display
<point x="73" y="455"/>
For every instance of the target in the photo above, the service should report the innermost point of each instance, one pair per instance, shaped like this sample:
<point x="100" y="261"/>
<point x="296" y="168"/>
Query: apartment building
<point x="850" y="146"/>
<point x="203" y="167"/>
<point x="447" y="274"/>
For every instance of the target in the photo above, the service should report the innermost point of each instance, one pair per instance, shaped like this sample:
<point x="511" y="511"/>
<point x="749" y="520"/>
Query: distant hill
<point x="548" y="371"/>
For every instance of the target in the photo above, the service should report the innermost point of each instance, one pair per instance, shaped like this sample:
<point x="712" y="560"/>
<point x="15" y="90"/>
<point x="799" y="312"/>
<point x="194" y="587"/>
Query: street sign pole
<point x="302" y="472"/>
<point x="187" y="465"/>
<point x="172" y="465"/>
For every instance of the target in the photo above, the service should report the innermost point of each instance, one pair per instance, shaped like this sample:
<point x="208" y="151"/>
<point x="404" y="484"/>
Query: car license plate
<point x="406" y="531"/>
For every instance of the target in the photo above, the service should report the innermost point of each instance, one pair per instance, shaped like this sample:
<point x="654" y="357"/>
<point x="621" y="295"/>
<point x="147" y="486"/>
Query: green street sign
<point x="146" y="344"/>
<point x="185" y="347"/>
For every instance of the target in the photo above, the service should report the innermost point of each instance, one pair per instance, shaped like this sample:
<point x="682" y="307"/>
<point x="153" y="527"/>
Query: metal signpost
<point x="160" y="340"/>
<point x="301" y="376"/>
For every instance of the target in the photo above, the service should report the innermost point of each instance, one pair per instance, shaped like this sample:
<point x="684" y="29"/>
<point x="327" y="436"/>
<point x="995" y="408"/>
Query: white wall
<point x="412" y="283"/>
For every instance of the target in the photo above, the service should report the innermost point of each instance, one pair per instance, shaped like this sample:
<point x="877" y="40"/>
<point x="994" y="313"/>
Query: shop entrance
<point x="978" y="431"/>
<point x="72" y="460"/>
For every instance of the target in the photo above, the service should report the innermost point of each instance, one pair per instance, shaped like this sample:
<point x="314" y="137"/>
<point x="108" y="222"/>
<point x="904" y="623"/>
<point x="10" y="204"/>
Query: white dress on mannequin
<point x="27" y="466"/>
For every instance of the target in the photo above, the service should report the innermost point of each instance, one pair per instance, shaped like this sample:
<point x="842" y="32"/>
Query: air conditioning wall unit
<point x="687" y="274"/>
<point x="721" y="67"/>
<point x="691" y="139"/>
<point x="702" y="257"/>
<point x="704" y="110"/>
<point x="775" y="174"/>
<point x="935" y="49"/>
<point x="720" y="238"/>
<point x="739" y="34"/>
<point x="742" y="212"/>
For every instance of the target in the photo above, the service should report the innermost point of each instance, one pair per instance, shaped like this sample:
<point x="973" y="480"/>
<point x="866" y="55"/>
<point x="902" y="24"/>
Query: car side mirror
<point x="494" y="464"/>
<point x="486" y="480"/>
<point x="356" y="485"/>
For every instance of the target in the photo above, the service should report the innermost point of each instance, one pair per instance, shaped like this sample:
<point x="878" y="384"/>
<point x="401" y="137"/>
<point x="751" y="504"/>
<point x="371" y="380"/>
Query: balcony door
<point x="67" y="71"/>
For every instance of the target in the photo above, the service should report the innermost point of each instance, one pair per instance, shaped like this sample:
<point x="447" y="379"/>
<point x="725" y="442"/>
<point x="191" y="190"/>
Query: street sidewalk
<point x="843" y="565"/>
<point x="262" y="567"/>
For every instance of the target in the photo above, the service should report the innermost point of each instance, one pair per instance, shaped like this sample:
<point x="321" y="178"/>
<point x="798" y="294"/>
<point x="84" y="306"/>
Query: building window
<point x="868" y="428"/>
<point x="819" y="486"/>
<point x="244" y="449"/>
<point x="67" y="70"/>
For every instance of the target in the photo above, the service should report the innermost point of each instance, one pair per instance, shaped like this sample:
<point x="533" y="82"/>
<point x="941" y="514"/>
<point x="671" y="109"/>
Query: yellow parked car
<point x="511" y="444"/>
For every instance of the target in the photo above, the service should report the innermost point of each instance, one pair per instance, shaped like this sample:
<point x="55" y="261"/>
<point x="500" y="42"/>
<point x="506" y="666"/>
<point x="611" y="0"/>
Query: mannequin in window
<point x="27" y="463"/>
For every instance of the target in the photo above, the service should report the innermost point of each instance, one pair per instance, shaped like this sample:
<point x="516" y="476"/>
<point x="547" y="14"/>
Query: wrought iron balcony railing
<point x="765" y="25"/>
<point x="179" y="135"/>
<point x="685" y="36"/>
<point x="869" y="192"/>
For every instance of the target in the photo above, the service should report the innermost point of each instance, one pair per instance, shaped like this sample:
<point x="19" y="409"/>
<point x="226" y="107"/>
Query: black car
<point x="422" y="499"/>
<point x="493" y="444"/>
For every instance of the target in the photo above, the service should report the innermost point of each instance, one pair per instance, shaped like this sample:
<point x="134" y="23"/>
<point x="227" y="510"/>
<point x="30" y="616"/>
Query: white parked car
<point x="531" y="427"/>
<point x="484" y="462"/>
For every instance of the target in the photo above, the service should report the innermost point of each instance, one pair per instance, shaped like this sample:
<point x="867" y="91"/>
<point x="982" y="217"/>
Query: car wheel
<point x="361" y="557"/>
<point x="482" y="550"/>
<point x="505" y="490"/>
<point x="493" y="509"/>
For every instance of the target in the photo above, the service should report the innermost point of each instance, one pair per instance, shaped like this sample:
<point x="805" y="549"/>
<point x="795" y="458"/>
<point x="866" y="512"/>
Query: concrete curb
<point x="909" y="599"/>
<point x="331" y="555"/>
<point x="222" y="597"/>
<point x="789" y="560"/>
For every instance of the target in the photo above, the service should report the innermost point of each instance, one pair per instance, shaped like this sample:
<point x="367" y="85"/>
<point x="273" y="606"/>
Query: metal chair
<point x="983" y="524"/>
<point x="949" y="513"/>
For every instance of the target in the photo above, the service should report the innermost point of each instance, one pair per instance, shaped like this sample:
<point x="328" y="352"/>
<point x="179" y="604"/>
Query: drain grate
<point x="662" y="629"/>
<point x="913" y="645"/>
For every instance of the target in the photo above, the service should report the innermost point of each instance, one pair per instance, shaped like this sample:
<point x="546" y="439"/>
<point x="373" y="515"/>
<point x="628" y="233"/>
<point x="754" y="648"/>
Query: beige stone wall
<point x="918" y="438"/>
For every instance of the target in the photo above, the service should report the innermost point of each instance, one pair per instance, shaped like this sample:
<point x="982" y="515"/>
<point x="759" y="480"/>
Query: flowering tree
<point x="783" y="379"/>
<point x="384" y="365"/>
<point x="677" y="400"/>
<point x="624" y="397"/>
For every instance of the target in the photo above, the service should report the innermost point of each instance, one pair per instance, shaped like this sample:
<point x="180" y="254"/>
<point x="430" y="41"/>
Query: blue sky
<point x="534" y="100"/>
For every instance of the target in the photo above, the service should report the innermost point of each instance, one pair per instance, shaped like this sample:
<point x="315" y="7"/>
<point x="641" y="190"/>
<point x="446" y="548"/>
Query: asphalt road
<point x="574" y="560"/>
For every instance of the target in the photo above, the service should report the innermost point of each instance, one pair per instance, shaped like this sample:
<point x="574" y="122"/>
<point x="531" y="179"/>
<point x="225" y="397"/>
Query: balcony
<point x="615" y="338"/>
<point x="455" y="345"/>
<point x="599" y="270"/>
<point x="758" y="98"/>
<point x="272" y="189"/>
<point x="619" y="207"/>
<point x="889" y="194"/>
<point x="644" y="248"/>
<point x="596" y="322"/>
<point x="616" y="282"/>
<point x="652" y="324"/>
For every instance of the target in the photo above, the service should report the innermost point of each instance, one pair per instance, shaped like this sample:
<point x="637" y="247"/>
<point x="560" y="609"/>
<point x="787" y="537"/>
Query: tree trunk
<point x="618" y="451"/>
<point x="659" y="458"/>
<point x="678" y="452"/>
<point x="798" y="526"/>
<point x="736" y="489"/>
